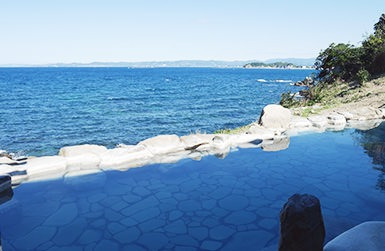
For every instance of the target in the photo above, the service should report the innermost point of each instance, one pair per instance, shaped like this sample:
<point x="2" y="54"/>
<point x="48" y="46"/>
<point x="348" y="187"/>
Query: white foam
<point x="283" y="81"/>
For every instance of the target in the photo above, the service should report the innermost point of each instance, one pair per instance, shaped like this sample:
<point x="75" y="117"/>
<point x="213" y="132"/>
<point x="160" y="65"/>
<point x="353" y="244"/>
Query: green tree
<point x="379" y="27"/>
<point x="339" y="62"/>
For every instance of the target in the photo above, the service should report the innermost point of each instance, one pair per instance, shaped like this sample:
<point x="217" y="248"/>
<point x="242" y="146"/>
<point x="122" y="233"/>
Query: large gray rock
<point x="48" y="166"/>
<point x="364" y="237"/>
<point x="275" y="117"/>
<point x="162" y="144"/>
<point x="125" y="157"/>
<point x="302" y="227"/>
<point x="83" y="162"/>
<point x="70" y="151"/>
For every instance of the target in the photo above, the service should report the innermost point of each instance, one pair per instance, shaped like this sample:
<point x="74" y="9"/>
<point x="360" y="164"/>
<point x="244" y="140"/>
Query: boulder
<point x="49" y="166"/>
<point x="119" y="158"/>
<point x="260" y="132"/>
<point x="336" y="119"/>
<point x="5" y="183"/>
<point x="6" y="195"/>
<point x="83" y="162"/>
<point x="318" y="121"/>
<point x="302" y="226"/>
<point x="275" y="117"/>
<point x="221" y="142"/>
<point x="70" y="151"/>
<point x="214" y="143"/>
<point x="162" y="144"/>
<point x="299" y="122"/>
<point x="366" y="236"/>
<point x="194" y="141"/>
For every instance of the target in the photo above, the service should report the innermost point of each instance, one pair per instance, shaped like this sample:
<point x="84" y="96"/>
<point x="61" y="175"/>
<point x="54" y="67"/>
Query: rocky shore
<point x="271" y="132"/>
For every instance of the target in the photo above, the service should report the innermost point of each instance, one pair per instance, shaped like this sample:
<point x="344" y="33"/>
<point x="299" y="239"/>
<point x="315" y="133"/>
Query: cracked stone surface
<point x="212" y="204"/>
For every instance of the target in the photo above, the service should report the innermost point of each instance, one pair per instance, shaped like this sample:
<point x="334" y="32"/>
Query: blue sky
<point x="38" y="32"/>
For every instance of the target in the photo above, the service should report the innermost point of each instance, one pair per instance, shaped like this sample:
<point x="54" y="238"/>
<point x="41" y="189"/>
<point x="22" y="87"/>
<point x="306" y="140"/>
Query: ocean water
<point x="213" y="204"/>
<point x="43" y="109"/>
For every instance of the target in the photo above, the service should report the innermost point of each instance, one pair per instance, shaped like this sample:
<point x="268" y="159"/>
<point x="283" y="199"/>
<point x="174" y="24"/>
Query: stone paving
<point x="212" y="204"/>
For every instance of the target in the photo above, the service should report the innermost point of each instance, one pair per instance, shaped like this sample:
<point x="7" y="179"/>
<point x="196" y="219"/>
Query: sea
<point x="220" y="202"/>
<point x="44" y="109"/>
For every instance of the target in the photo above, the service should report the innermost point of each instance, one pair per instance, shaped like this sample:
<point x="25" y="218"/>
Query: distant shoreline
<point x="170" y="63"/>
<point x="155" y="67"/>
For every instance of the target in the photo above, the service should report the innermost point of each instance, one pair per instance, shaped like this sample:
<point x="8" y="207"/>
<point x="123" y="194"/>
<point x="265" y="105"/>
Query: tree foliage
<point x="345" y="62"/>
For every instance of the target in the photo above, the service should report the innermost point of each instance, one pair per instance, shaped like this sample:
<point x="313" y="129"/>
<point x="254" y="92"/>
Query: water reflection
<point x="373" y="141"/>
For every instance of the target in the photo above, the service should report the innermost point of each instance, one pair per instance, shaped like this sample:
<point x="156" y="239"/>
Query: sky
<point x="83" y="31"/>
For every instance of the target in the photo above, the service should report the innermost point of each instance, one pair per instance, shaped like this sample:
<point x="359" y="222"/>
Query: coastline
<point x="271" y="132"/>
<point x="360" y="108"/>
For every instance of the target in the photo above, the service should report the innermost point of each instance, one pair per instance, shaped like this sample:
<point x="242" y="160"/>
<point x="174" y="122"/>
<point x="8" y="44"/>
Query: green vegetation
<point x="281" y="65"/>
<point x="342" y="68"/>
<point x="237" y="130"/>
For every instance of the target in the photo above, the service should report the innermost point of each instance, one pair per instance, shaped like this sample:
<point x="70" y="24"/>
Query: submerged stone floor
<point x="212" y="204"/>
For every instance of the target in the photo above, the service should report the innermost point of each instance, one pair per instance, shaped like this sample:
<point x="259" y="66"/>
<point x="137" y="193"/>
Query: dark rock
<point x="308" y="81"/>
<point x="6" y="195"/>
<point x="5" y="182"/>
<point x="302" y="226"/>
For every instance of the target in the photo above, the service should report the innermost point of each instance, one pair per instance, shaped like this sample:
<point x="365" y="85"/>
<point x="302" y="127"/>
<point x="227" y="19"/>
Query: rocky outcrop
<point x="366" y="236"/>
<point x="275" y="117"/>
<point x="308" y="81"/>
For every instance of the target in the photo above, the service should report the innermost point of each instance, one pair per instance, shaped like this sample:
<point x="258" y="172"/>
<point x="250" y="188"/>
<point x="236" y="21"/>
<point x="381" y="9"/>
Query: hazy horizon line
<point x="156" y="61"/>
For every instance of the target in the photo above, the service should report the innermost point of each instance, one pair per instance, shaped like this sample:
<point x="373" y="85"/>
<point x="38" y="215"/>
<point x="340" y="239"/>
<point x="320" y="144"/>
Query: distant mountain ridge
<point x="177" y="63"/>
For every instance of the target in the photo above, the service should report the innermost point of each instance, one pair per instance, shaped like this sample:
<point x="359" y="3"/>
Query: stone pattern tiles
<point x="230" y="204"/>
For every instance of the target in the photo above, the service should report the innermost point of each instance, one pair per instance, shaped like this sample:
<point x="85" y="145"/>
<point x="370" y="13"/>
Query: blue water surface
<point x="44" y="109"/>
<point x="212" y="204"/>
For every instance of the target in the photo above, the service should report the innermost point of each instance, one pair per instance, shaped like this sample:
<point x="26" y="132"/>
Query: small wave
<point x="261" y="80"/>
<point x="116" y="98"/>
<point x="274" y="81"/>
<point x="283" y="81"/>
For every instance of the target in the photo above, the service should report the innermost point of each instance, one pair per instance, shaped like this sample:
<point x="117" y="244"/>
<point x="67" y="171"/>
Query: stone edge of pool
<point x="271" y="132"/>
